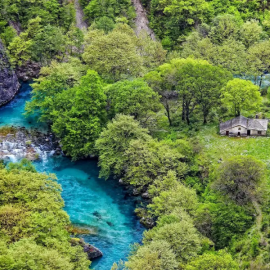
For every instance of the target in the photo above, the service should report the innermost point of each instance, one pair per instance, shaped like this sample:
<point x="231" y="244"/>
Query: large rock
<point x="9" y="84"/>
<point x="91" y="251"/>
<point x="28" y="71"/>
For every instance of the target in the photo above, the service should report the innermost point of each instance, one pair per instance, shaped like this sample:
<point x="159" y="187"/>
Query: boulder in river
<point x="91" y="251"/>
<point x="9" y="84"/>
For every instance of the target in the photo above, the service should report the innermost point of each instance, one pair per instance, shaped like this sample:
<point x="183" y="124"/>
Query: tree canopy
<point x="78" y="115"/>
<point x="241" y="179"/>
<point x="240" y="95"/>
<point x="33" y="223"/>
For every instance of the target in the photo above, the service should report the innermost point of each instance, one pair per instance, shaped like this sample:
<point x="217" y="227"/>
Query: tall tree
<point x="133" y="98"/>
<point x="241" y="95"/>
<point x="259" y="60"/>
<point x="200" y="83"/>
<point x="241" y="178"/>
<point x="53" y="80"/>
<point x="113" y="55"/>
<point x="189" y="83"/>
<point x="113" y="142"/>
<point x="78" y="115"/>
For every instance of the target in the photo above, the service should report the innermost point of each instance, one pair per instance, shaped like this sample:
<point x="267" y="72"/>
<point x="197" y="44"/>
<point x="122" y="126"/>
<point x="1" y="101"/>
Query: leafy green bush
<point x="96" y="9"/>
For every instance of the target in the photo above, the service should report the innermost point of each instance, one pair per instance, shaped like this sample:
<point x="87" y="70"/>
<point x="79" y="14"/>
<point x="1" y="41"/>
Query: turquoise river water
<point x="102" y="206"/>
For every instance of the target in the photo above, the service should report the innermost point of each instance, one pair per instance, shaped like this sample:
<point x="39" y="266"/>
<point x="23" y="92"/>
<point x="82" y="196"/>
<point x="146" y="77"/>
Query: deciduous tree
<point x="239" y="95"/>
<point x="114" y="141"/>
<point x="157" y="255"/>
<point x="133" y="98"/>
<point x="212" y="261"/>
<point x="78" y="115"/>
<point x="241" y="178"/>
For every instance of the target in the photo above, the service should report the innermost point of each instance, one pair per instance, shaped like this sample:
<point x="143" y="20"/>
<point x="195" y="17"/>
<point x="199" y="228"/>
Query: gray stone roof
<point x="248" y="123"/>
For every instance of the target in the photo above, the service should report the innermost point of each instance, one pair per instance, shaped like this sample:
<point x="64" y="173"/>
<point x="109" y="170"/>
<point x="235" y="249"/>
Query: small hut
<point x="242" y="126"/>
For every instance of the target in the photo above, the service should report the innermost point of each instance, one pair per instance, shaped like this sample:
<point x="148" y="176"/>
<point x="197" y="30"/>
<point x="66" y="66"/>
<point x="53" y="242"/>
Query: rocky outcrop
<point x="17" y="143"/>
<point x="141" y="21"/>
<point x="28" y="71"/>
<point x="9" y="84"/>
<point x="91" y="251"/>
<point x="80" y="22"/>
<point x="17" y="26"/>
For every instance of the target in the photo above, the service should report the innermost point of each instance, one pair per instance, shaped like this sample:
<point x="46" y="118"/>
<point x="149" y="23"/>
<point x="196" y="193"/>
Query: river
<point x="102" y="206"/>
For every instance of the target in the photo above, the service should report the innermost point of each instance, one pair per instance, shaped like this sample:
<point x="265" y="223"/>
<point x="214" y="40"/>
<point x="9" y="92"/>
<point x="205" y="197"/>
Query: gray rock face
<point x="9" y="84"/>
<point x="28" y="71"/>
<point x="92" y="252"/>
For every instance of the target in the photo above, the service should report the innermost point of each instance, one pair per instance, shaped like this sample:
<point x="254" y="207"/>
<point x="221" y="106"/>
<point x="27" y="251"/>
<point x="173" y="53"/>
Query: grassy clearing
<point x="217" y="147"/>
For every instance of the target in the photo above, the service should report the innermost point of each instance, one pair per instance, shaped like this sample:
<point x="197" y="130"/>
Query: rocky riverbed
<point x="17" y="143"/>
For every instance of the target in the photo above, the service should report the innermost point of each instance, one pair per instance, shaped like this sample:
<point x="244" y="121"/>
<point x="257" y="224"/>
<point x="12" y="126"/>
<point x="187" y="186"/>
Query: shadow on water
<point x="90" y="202"/>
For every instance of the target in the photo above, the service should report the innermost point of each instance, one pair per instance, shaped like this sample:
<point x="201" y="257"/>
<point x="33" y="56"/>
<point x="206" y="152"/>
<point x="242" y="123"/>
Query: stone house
<point x="242" y="126"/>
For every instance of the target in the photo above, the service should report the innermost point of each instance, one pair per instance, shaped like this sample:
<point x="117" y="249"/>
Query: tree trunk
<point x="204" y="119"/>
<point x="167" y="108"/>
<point x="187" y="114"/>
<point x="183" y="112"/>
<point x="261" y="79"/>
<point x="188" y="122"/>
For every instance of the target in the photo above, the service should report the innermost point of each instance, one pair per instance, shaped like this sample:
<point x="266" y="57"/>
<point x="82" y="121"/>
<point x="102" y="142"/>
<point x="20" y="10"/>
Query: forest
<point x="149" y="109"/>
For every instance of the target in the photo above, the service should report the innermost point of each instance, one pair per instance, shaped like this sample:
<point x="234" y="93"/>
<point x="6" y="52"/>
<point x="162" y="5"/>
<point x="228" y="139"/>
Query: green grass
<point x="217" y="147"/>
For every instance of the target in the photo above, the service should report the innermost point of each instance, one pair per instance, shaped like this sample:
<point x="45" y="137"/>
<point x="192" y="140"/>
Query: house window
<point x="239" y="128"/>
<point x="259" y="133"/>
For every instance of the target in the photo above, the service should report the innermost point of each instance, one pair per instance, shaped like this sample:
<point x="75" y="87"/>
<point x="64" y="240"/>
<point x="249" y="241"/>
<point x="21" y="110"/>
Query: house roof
<point x="248" y="123"/>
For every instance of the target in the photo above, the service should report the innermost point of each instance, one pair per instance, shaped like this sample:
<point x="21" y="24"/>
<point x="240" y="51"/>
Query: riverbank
<point x="102" y="206"/>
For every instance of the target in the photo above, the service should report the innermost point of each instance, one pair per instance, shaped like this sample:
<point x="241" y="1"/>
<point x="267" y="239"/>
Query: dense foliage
<point x="120" y="54"/>
<point x="109" y="11"/>
<point x="173" y="20"/>
<point x="149" y="110"/>
<point x="33" y="231"/>
<point x="192" y="83"/>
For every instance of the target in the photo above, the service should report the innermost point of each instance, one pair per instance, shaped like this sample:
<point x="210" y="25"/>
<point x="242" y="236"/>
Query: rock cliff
<point x="9" y="84"/>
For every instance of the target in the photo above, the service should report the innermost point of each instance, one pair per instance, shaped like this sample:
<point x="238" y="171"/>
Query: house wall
<point x="235" y="130"/>
<point x="243" y="131"/>
<point x="255" y="133"/>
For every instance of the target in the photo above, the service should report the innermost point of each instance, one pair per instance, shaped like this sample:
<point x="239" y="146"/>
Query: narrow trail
<point x="141" y="20"/>
<point x="80" y="23"/>
<point x="259" y="218"/>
